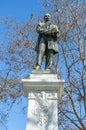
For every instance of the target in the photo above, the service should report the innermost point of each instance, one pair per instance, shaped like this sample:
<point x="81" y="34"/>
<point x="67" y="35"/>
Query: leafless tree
<point x="70" y="17"/>
<point x="17" y="57"/>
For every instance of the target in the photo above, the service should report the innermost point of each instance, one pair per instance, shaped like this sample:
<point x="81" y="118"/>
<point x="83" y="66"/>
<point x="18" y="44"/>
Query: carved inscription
<point x="41" y="108"/>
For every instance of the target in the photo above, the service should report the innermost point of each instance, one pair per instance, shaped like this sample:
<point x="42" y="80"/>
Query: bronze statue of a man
<point x="47" y="42"/>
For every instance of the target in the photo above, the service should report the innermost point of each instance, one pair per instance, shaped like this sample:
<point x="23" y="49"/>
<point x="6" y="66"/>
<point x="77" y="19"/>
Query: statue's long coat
<point x="49" y="38"/>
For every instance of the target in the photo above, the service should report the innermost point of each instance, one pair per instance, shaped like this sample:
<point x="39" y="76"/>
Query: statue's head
<point x="47" y="17"/>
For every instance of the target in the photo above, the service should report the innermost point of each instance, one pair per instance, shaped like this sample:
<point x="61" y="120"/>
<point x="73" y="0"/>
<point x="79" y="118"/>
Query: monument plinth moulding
<point x="43" y="90"/>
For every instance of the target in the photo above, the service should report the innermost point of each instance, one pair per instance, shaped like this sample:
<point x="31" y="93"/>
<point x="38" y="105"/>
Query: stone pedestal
<point x="43" y="90"/>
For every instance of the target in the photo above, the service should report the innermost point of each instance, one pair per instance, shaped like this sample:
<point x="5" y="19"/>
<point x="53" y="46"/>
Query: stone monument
<point x="43" y="88"/>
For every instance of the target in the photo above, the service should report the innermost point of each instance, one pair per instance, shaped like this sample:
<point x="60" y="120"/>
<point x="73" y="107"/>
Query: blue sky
<point x="20" y="10"/>
<point x="18" y="115"/>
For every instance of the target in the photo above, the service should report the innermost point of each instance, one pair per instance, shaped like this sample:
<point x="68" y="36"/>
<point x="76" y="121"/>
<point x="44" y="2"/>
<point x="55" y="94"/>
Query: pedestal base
<point x="42" y="111"/>
<point x="43" y="90"/>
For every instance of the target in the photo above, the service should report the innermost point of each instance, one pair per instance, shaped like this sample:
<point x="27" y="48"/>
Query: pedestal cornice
<point x="43" y="80"/>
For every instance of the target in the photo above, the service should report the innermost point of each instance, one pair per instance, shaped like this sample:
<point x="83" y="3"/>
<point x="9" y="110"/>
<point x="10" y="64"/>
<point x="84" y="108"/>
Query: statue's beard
<point x="47" y="22"/>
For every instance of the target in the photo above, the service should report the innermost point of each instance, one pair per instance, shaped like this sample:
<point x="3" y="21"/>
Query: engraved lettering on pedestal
<point x="41" y="108"/>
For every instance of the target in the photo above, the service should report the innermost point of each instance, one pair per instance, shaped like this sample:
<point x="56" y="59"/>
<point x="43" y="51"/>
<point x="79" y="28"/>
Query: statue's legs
<point x="49" y="59"/>
<point x="40" y="55"/>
